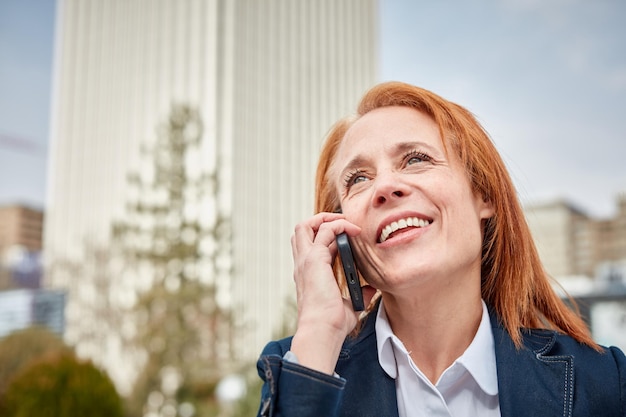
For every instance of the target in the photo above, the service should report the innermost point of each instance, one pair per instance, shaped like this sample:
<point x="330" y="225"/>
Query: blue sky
<point x="26" y="38"/>
<point x="546" y="78"/>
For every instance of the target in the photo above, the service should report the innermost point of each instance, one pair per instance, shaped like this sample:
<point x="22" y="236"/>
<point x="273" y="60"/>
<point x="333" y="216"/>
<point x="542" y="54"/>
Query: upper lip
<point x="397" y="217"/>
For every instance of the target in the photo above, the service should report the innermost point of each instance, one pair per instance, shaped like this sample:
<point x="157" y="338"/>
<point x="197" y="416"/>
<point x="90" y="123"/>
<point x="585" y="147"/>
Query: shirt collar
<point x="479" y="358"/>
<point x="384" y="337"/>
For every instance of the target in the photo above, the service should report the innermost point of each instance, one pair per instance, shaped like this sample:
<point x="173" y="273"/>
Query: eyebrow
<point x="354" y="163"/>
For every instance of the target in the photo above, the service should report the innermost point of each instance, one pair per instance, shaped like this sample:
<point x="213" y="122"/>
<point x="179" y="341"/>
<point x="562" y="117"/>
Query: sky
<point x="26" y="43"/>
<point x="547" y="79"/>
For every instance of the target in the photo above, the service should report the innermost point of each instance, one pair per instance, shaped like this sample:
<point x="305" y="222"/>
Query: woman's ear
<point x="486" y="209"/>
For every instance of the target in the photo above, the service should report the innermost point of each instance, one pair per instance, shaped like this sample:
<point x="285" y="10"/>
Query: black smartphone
<point x="349" y="268"/>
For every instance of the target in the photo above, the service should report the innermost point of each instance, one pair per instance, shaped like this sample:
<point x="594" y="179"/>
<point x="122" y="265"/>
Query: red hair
<point x="514" y="282"/>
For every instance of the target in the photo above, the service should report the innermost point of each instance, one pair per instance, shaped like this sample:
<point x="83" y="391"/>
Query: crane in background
<point x="19" y="144"/>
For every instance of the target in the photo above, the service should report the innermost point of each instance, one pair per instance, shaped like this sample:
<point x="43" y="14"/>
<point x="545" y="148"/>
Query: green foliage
<point x="175" y="229"/>
<point x="61" y="386"/>
<point x="21" y="347"/>
<point x="179" y="332"/>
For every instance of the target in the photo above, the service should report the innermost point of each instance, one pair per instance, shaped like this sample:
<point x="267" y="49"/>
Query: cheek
<point x="367" y="262"/>
<point x="462" y="211"/>
<point x="466" y="227"/>
<point x="354" y="207"/>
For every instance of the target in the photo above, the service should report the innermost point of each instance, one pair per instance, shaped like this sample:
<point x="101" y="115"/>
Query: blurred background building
<point x="572" y="243"/>
<point x="26" y="307"/>
<point x="267" y="78"/>
<point x="587" y="257"/>
<point x="20" y="246"/>
<point x="22" y="302"/>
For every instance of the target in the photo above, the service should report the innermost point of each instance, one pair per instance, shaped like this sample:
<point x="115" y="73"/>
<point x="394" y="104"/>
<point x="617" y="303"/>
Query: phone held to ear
<point x="349" y="268"/>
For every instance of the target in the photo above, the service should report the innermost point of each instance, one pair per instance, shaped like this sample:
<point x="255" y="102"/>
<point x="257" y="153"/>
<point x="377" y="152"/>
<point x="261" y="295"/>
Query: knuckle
<point x="325" y="227"/>
<point x="301" y="227"/>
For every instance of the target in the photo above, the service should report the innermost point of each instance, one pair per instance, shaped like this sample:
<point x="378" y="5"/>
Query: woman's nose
<point x="389" y="188"/>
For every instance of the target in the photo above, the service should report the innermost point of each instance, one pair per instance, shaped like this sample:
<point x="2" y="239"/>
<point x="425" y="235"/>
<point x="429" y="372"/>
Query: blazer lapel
<point x="369" y="390"/>
<point x="532" y="381"/>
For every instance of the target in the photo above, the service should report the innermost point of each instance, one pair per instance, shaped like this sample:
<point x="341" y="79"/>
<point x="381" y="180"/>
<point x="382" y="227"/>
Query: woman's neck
<point x="435" y="328"/>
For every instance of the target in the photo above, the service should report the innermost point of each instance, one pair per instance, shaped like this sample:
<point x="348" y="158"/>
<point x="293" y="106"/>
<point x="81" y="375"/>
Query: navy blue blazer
<point x="551" y="375"/>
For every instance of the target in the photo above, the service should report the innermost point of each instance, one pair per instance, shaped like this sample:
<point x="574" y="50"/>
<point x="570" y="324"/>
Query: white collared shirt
<point x="468" y="388"/>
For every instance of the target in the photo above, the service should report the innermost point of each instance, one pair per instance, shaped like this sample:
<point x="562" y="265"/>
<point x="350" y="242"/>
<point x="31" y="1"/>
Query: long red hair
<point x="514" y="282"/>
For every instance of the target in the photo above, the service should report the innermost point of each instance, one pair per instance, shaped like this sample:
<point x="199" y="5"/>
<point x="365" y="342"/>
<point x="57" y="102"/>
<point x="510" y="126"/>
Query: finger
<point x="306" y="231"/>
<point x="328" y="231"/>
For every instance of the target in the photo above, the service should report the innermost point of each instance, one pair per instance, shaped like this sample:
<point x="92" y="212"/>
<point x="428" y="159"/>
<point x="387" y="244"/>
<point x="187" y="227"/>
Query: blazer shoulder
<point x="567" y="345"/>
<point x="620" y="358"/>
<point x="587" y="358"/>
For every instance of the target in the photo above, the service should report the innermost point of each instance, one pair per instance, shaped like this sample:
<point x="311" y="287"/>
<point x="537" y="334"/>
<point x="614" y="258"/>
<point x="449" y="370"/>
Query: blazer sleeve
<point x="290" y="389"/>
<point x="620" y="360"/>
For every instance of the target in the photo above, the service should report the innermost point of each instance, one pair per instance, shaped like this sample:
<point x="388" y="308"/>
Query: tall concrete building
<point x="268" y="77"/>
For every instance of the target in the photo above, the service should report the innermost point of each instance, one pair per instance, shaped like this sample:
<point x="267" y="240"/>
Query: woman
<point x="458" y="298"/>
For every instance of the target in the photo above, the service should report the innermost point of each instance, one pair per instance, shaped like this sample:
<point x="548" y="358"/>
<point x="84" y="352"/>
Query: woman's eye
<point x="358" y="179"/>
<point x="416" y="157"/>
<point x="354" y="178"/>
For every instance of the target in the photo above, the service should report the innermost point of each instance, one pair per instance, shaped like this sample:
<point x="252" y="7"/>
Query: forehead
<point x="383" y="128"/>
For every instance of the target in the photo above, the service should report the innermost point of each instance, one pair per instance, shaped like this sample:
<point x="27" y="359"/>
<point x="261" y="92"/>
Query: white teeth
<point x="401" y="224"/>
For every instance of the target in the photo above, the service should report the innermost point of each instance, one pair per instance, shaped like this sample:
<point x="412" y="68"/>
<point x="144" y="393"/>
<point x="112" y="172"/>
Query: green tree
<point x="176" y="238"/>
<point x="62" y="386"/>
<point x="20" y="348"/>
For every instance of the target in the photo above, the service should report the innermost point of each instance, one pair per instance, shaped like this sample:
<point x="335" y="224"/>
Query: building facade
<point x="20" y="246"/>
<point x="268" y="78"/>
<point x="20" y="226"/>
<point x="22" y="308"/>
<point x="587" y="257"/>
<point x="571" y="243"/>
<point x="611" y="234"/>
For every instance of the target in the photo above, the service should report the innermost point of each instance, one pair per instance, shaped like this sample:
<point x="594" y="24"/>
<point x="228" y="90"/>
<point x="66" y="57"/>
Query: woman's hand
<point x="325" y="318"/>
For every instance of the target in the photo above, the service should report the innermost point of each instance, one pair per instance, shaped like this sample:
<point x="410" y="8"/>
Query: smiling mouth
<point x="400" y="225"/>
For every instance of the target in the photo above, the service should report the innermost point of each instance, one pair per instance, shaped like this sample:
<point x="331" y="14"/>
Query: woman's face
<point x="421" y="222"/>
